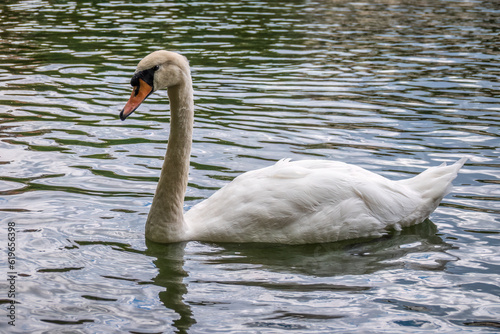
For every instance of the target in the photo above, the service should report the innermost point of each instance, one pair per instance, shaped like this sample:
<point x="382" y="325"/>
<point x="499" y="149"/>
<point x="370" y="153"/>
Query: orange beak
<point x="139" y="94"/>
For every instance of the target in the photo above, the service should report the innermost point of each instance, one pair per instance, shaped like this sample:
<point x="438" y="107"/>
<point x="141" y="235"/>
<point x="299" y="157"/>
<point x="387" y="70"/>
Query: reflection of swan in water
<point x="170" y="262"/>
<point x="349" y="257"/>
<point x="299" y="202"/>
<point x="356" y="257"/>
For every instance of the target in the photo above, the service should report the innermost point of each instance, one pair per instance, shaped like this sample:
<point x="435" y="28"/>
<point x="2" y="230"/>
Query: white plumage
<point x="297" y="202"/>
<point x="316" y="201"/>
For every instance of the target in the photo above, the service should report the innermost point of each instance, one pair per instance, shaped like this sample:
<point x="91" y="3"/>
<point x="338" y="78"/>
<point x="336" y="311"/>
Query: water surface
<point x="392" y="86"/>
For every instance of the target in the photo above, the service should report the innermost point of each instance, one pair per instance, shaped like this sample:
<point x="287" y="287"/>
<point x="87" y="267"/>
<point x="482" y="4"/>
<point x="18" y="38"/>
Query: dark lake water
<point x="392" y="86"/>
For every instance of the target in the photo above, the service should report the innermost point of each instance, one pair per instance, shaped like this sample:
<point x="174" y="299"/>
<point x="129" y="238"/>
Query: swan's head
<point x="158" y="70"/>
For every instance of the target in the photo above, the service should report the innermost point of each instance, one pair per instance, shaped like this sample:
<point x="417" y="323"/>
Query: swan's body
<point x="296" y="202"/>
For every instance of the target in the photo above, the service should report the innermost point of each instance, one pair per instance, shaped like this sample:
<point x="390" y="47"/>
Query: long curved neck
<point x="165" y="222"/>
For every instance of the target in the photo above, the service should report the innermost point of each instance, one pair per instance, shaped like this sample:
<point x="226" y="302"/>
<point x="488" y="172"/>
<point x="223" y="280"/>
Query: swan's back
<point x="315" y="201"/>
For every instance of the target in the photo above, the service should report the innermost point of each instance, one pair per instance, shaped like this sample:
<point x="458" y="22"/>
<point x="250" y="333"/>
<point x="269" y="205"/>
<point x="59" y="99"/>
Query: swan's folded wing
<point x="301" y="202"/>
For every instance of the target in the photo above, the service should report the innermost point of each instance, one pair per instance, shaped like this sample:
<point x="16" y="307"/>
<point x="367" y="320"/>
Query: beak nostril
<point x="140" y="91"/>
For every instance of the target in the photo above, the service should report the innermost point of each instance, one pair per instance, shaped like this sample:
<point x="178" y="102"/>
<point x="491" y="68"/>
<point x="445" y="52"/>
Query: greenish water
<point x="392" y="86"/>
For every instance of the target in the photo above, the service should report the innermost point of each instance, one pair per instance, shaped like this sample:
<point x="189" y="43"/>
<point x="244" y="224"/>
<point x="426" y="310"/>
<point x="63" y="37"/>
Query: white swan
<point x="298" y="202"/>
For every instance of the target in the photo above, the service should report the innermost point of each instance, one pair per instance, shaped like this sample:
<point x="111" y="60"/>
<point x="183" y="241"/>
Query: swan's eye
<point x="146" y="75"/>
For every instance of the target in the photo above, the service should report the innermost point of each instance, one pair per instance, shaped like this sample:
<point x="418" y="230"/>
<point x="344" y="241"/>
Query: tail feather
<point x="432" y="185"/>
<point x="435" y="182"/>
